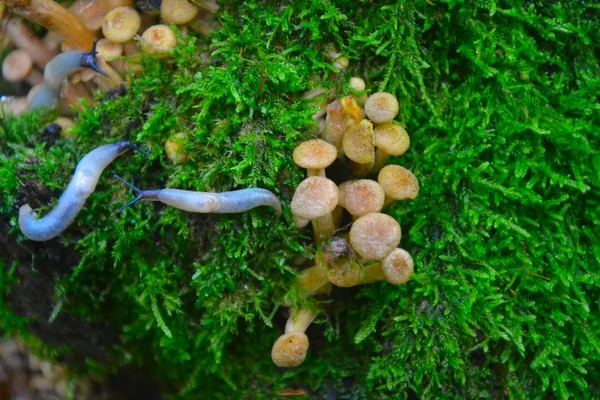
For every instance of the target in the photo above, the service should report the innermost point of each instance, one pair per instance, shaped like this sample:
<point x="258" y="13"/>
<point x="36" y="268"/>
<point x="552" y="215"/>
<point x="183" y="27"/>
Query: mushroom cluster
<point x="121" y="28"/>
<point x="357" y="243"/>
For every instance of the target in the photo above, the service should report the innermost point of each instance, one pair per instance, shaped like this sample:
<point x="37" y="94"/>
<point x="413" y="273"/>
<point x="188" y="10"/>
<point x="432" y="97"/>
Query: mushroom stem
<point x="381" y="158"/>
<point x="55" y="18"/>
<point x="313" y="279"/>
<point x="25" y="39"/>
<point x="315" y="172"/>
<point x="323" y="227"/>
<point x="300" y="320"/>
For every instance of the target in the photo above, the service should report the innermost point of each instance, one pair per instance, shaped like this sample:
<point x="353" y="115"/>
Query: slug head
<point x="88" y="60"/>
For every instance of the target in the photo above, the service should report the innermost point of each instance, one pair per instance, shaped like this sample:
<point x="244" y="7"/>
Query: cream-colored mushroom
<point x="290" y="349"/>
<point x="315" y="155"/>
<point x="363" y="197"/>
<point x="381" y="107"/>
<point x="18" y="66"/>
<point x="158" y="39"/>
<point x="359" y="146"/>
<point x="175" y="148"/>
<point x="396" y="268"/>
<point x="398" y="183"/>
<point x="390" y="140"/>
<point x="178" y="12"/>
<point x="314" y="200"/>
<point x="374" y="236"/>
<point x="121" y="24"/>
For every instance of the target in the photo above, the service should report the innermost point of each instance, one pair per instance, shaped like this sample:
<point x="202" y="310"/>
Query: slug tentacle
<point x="72" y="200"/>
<point x="141" y="195"/>
<point x="88" y="60"/>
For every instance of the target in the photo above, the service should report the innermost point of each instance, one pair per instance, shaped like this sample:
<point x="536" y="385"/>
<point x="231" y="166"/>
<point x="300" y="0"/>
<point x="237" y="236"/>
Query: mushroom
<point x="312" y="280"/>
<point x="158" y="39"/>
<point x="65" y="127"/>
<point x="175" y="148"/>
<point x="351" y="109"/>
<point x="390" y="140"/>
<point x="22" y="37"/>
<point x="315" y="155"/>
<point x="108" y="51"/>
<point x="178" y="12"/>
<point x="359" y="145"/>
<point x="121" y="24"/>
<point x="55" y="18"/>
<point x="290" y="349"/>
<point x="362" y="197"/>
<point x="398" y="183"/>
<point x="358" y="85"/>
<point x="334" y="125"/>
<point x="374" y="236"/>
<point x="18" y="66"/>
<point x="314" y="200"/>
<point x="381" y="107"/>
<point x="396" y="268"/>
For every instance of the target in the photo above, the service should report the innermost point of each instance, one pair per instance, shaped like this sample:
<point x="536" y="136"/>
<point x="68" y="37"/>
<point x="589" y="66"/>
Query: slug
<point x="58" y="69"/>
<point x="235" y="201"/>
<point x="82" y="184"/>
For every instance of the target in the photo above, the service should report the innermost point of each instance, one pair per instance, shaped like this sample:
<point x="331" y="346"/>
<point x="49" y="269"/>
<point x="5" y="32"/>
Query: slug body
<point x="57" y="70"/>
<point x="82" y="184"/>
<point x="235" y="201"/>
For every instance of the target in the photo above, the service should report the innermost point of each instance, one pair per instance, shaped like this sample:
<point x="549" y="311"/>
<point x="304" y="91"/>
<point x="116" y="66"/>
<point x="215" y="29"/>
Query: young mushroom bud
<point x="66" y="125"/>
<point x="362" y="197"/>
<point x="121" y="24"/>
<point x="178" y="12"/>
<point x="108" y="51"/>
<point x="18" y="66"/>
<point x="390" y="140"/>
<point x="315" y="155"/>
<point x="358" y="85"/>
<point x="175" y="148"/>
<point x="374" y="236"/>
<point x="398" y="183"/>
<point x="314" y="200"/>
<point x="381" y="107"/>
<point x="158" y="39"/>
<point x="290" y="349"/>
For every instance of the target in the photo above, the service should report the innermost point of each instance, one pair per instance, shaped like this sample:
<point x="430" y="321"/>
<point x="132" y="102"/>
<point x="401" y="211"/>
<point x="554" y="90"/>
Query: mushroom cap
<point x="17" y="65"/>
<point x="178" y="12"/>
<point x="108" y="50"/>
<point x="314" y="197"/>
<point x="352" y="109"/>
<point x="357" y="83"/>
<point x="358" y="142"/>
<point x="290" y="350"/>
<point x="398" y="267"/>
<point x="174" y="147"/>
<point x="374" y="236"/>
<point x="342" y="192"/>
<point x="391" y="138"/>
<point x="363" y="197"/>
<point x="315" y="154"/>
<point x="398" y="182"/>
<point x="158" y="39"/>
<point x="381" y="107"/>
<point x="345" y="272"/>
<point x="121" y="24"/>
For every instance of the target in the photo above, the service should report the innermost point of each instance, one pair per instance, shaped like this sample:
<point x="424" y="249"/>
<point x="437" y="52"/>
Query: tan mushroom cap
<point x="398" y="182"/>
<point x="158" y="39"/>
<point x="342" y="192"/>
<point x="17" y="65"/>
<point x="345" y="272"/>
<point x="398" y="267"/>
<point x="359" y="142"/>
<point x="121" y="24"/>
<point x="374" y="236"/>
<point x="381" y="107"/>
<point x="108" y="50"/>
<point x="290" y="350"/>
<point x="314" y="197"/>
<point x="363" y="197"/>
<point x="178" y="12"/>
<point x="391" y="138"/>
<point x="352" y="110"/>
<point x="357" y="83"/>
<point x="315" y="154"/>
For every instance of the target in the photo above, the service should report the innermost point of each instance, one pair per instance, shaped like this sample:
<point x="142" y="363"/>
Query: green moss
<point x="500" y="100"/>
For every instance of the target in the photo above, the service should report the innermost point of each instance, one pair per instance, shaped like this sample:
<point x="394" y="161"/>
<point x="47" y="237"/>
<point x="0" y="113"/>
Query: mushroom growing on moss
<point x="315" y="155"/>
<point x="381" y="107"/>
<point x="363" y="197"/>
<point x="396" y="268"/>
<point x="290" y="349"/>
<point x="178" y="12"/>
<point x="175" y="148"/>
<point x="390" y="140"/>
<point x="121" y="24"/>
<point x="158" y="39"/>
<point x="314" y="200"/>
<point x="398" y="183"/>
<point x="374" y="236"/>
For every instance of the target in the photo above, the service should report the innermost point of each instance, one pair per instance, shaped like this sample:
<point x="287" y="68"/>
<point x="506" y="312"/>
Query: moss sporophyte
<point x="493" y="142"/>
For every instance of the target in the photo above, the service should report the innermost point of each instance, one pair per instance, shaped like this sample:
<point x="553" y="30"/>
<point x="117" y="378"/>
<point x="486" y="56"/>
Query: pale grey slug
<point x="235" y="201"/>
<point x="58" y="69"/>
<point x="82" y="184"/>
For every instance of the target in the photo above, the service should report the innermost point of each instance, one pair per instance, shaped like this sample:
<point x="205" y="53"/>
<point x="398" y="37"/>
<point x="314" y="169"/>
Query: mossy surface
<point x="501" y="102"/>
